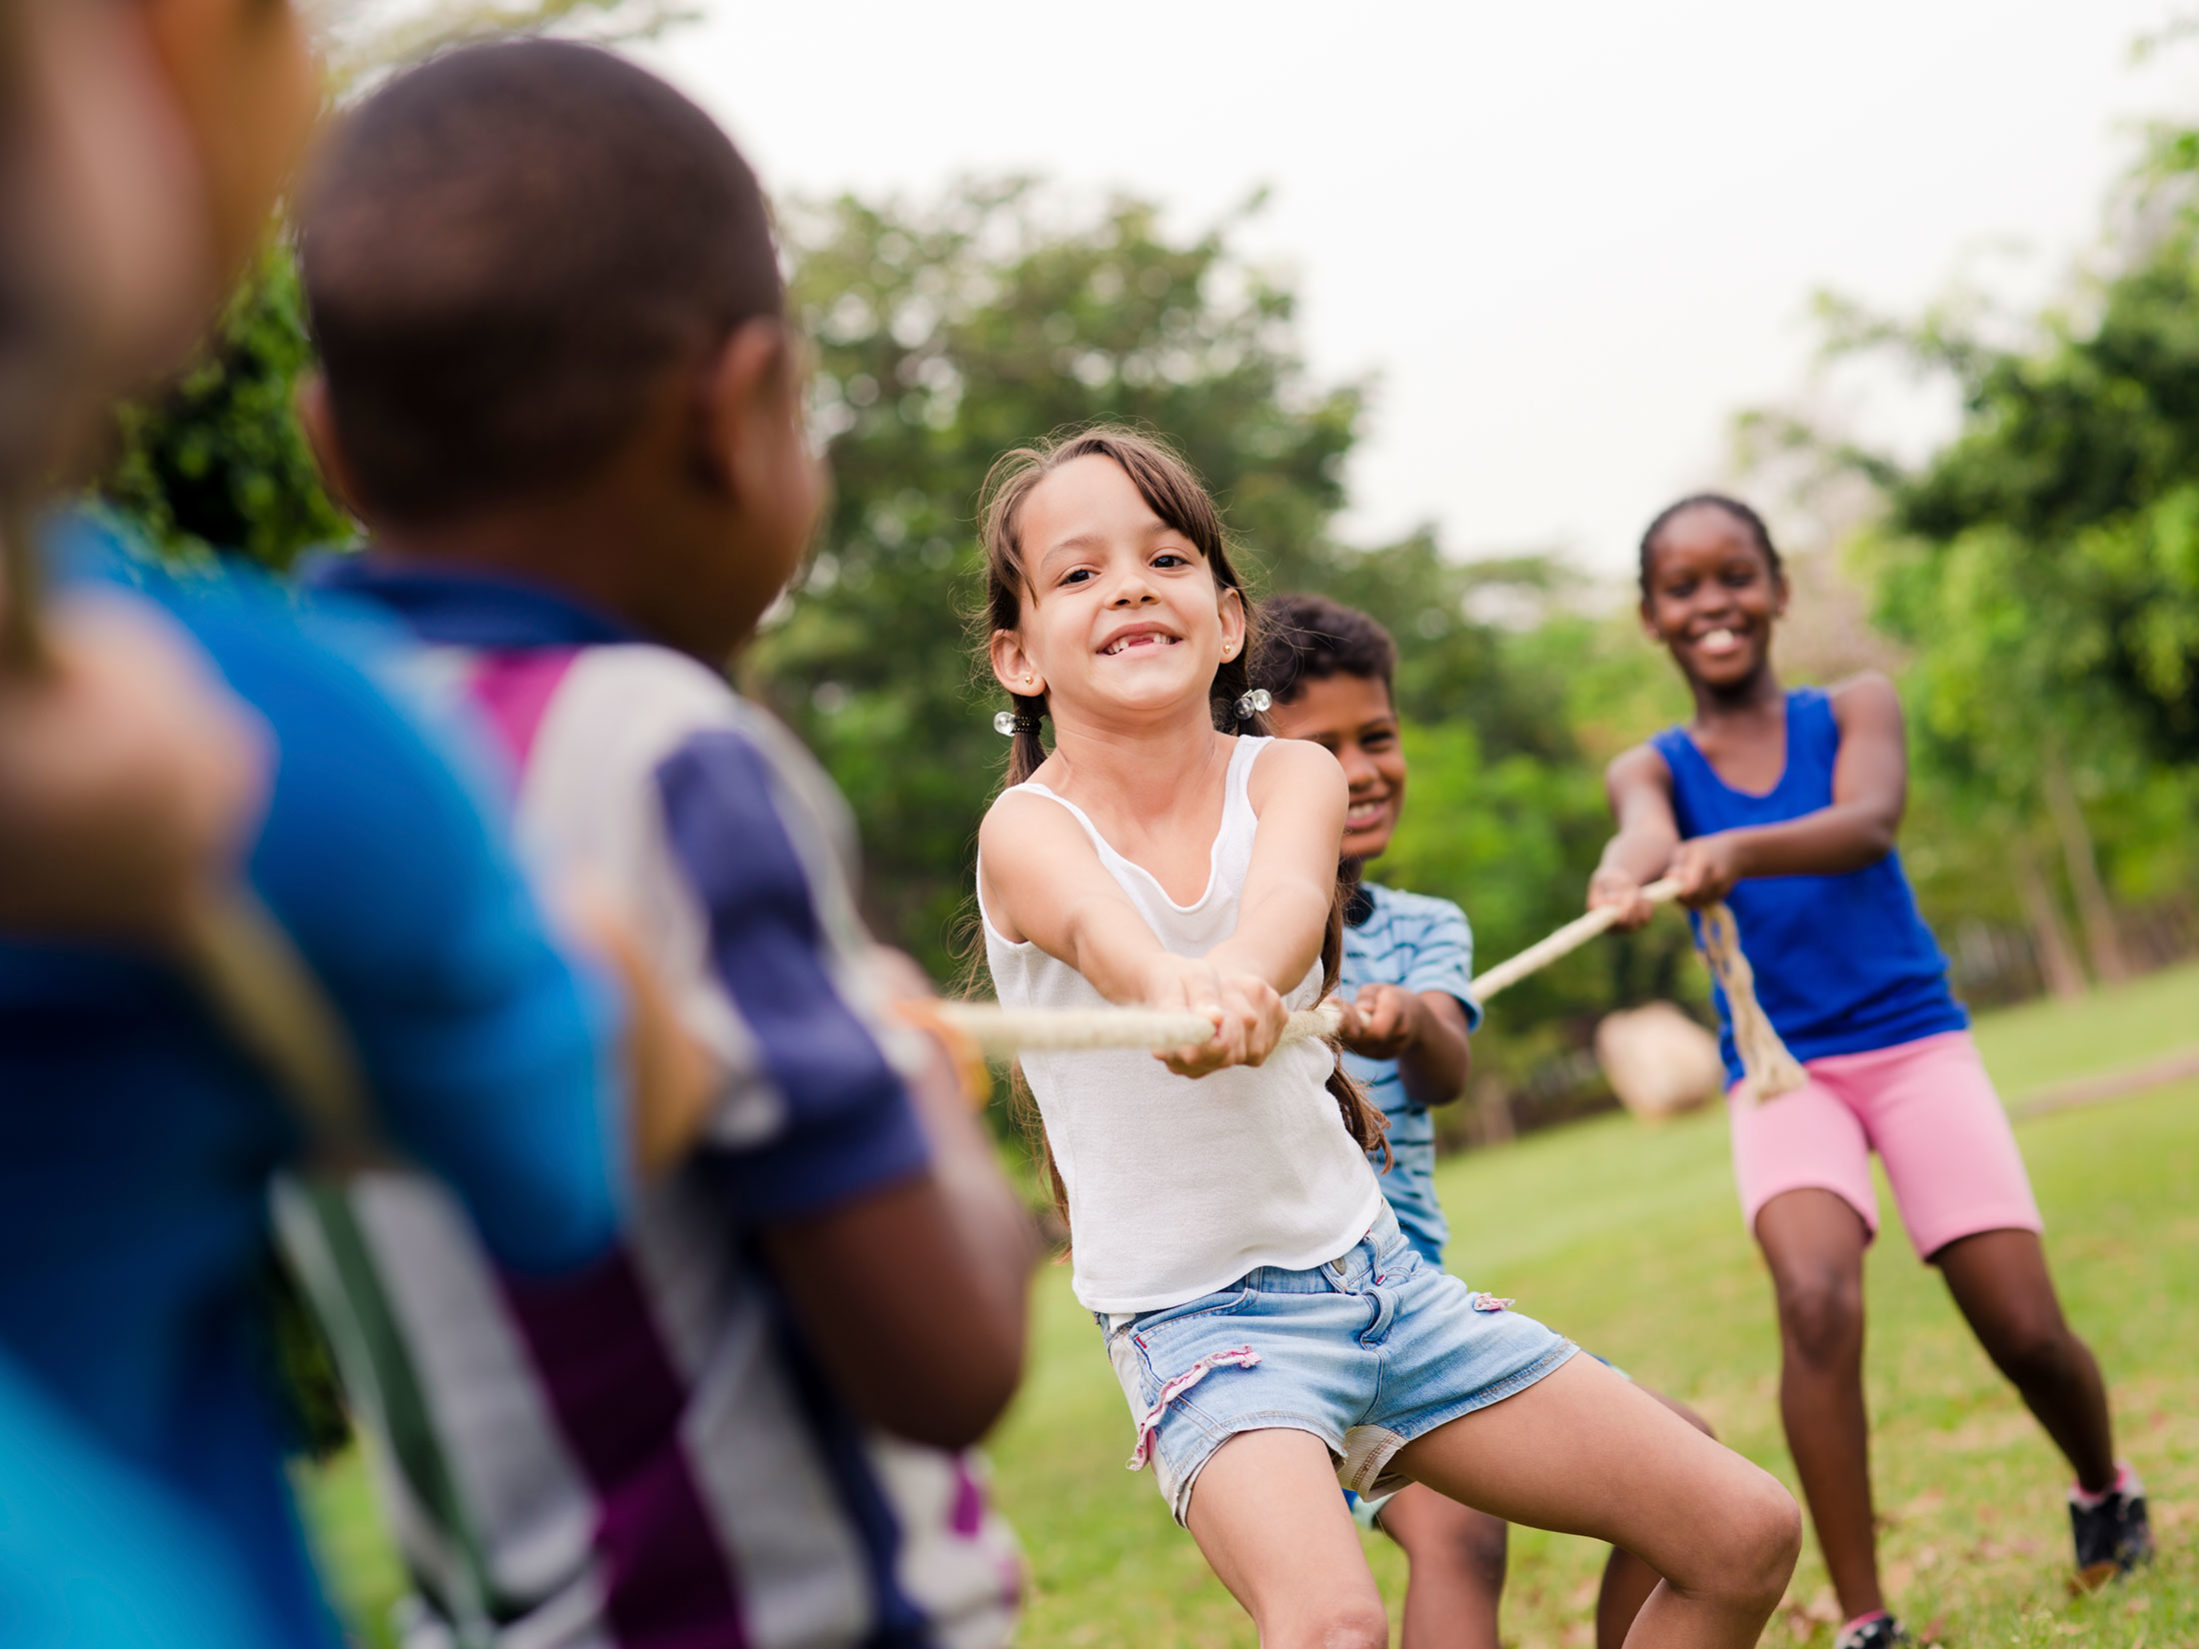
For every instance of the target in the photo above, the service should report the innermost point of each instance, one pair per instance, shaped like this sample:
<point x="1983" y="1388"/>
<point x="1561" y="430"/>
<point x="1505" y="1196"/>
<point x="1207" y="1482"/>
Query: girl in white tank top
<point x="1272" y="1329"/>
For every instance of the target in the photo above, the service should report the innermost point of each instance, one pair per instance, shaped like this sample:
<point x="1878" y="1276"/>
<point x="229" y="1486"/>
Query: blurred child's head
<point x="547" y="300"/>
<point x="1109" y="589"/>
<point x="1712" y="588"/>
<point x="1331" y="670"/>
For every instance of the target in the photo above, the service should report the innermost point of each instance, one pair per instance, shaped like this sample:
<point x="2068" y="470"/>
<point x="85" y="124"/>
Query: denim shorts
<point x="1369" y="1352"/>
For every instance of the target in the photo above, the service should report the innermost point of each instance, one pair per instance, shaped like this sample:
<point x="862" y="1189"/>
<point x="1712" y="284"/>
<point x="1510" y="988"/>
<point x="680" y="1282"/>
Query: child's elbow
<point x="1876" y="839"/>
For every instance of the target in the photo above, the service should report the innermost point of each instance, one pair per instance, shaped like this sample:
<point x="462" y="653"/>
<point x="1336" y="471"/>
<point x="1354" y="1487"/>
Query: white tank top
<point x="1177" y="1187"/>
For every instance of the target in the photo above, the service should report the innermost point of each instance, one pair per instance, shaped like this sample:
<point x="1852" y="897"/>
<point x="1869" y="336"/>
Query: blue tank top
<point x="1843" y="964"/>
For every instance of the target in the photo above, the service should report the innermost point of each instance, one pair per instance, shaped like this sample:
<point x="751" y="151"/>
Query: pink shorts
<point x="1929" y="1110"/>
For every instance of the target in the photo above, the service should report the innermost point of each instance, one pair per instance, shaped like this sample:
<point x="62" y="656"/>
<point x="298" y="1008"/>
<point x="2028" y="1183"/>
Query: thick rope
<point x="1003" y="1033"/>
<point x="1564" y="942"/>
<point x="1768" y="1068"/>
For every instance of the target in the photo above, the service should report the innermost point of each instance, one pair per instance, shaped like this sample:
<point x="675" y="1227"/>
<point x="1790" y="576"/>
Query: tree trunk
<point x="2049" y="934"/>
<point x="2101" y="940"/>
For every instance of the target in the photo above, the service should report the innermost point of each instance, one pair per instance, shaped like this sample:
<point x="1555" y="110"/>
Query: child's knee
<point x="1433" y="1530"/>
<point x="1359" y="1624"/>
<point x="1357" y="1621"/>
<point x="1767" y="1539"/>
<point x="2035" y="1348"/>
<point x="1479" y="1544"/>
<point x="1750" y="1536"/>
<point x="1821" y="1315"/>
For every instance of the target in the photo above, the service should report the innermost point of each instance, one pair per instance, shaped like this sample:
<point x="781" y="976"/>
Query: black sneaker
<point x="2112" y="1534"/>
<point x="1879" y="1632"/>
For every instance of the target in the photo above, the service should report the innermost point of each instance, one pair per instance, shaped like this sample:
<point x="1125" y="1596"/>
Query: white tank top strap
<point x="1227" y="859"/>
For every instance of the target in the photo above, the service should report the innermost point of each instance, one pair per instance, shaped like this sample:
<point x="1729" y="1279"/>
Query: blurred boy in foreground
<point x="137" y="1139"/>
<point x="561" y="392"/>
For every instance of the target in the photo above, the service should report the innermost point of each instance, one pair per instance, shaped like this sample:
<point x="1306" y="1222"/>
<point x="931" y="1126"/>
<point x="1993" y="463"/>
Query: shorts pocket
<point x="1150" y="1328"/>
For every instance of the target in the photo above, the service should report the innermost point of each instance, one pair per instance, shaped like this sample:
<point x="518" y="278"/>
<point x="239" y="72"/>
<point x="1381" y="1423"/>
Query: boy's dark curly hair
<point x="1311" y="638"/>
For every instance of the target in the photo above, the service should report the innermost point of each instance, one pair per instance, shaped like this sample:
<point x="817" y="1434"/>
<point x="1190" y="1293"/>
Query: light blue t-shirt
<point x="1422" y="944"/>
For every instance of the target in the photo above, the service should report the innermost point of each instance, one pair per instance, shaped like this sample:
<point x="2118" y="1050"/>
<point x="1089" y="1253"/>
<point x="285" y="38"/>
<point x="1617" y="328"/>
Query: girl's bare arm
<point x="1639" y="787"/>
<point x="1300" y="794"/>
<point x="1043" y="882"/>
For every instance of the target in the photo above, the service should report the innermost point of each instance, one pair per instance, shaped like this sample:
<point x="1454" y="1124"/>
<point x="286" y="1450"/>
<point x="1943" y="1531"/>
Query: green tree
<point x="945" y="334"/>
<point x="217" y="460"/>
<point x="2042" y="569"/>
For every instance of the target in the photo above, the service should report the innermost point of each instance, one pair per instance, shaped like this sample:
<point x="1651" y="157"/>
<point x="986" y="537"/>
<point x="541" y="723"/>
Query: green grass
<point x="1628" y="1238"/>
<point x="2045" y="1042"/>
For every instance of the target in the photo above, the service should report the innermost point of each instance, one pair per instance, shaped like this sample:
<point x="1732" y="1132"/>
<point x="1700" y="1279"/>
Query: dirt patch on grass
<point x="2098" y="1090"/>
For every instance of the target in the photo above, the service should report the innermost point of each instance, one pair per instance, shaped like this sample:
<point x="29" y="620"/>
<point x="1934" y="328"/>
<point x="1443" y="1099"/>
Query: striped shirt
<point x="1423" y="944"/>
<point x="648" y="1457"/>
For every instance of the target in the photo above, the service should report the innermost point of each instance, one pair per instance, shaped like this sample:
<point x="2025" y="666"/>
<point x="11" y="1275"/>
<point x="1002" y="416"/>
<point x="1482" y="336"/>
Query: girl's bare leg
<point x="2000" y="1280"/>
<point x="1814" y="1243"/>
<point x="1627" y="1580"/>
<point x="1456" y="1575"/>
<point x="1584" y="1451"/>
<point x="1267" y="1514"/>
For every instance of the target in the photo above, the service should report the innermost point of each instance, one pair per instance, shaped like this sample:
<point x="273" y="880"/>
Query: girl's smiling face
<point x="1712" y="597"/>
<point x="1120" y="610"/>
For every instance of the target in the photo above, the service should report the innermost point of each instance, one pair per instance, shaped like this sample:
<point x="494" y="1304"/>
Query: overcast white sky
<point x="1568" y="239"/>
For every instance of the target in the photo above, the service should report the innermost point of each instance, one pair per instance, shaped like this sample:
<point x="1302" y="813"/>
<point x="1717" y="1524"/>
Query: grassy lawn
<point x="1628" y="1238"/>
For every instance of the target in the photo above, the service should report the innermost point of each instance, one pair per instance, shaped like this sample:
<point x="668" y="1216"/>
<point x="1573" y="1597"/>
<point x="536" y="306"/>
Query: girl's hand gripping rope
<point x="1704" y="869"/>
<point x="1615" y="889"/>
<point x="1246" y="1012"/>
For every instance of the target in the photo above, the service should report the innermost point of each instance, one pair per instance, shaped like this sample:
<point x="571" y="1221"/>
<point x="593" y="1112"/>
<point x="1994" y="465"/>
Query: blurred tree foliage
<point x="946" y="332"/>
<point x="2042" y="569"/>
<point x="950" y="331"/>
<point x="217" y="460"/>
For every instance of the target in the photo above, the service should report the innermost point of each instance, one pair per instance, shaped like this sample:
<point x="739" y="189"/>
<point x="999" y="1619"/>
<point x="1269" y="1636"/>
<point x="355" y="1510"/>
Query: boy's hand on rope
<point x="1381" y="1021"/>
<point x="1705" y="869"/>
<point x="955" y="1072"/>
<point x="130" y="780"/>
<point x="1247" y="1014"/>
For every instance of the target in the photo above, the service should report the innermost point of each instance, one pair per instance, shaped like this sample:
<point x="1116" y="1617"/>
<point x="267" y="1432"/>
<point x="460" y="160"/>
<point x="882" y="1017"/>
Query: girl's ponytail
<point x="1026" y="750"/>
<point x="1363" y="1120"/>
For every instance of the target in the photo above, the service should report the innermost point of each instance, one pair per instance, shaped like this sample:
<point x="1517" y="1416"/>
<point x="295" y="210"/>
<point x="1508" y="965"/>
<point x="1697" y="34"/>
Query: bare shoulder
<point x="1866" y="701"/>
<point x="1028" y="849"/>
<point x="1021" y="829"/>
<point x="1644" y="765"/>
<point x="1298" y="769"/>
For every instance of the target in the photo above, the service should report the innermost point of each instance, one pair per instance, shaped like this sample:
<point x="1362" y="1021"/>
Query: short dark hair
<point x="1311" y="638"/>
<point x="1749" y="521"/>
<point x="503" y="249"/>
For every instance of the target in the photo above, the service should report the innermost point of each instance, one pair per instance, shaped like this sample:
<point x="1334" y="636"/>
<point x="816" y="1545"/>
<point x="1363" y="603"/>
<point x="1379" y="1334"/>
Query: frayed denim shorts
<point x="1369" y="1352"/>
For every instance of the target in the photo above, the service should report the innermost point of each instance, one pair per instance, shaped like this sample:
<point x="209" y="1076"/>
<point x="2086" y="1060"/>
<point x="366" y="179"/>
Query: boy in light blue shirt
<point x="1408" y="958"/>
<point x="1407" y="970"/>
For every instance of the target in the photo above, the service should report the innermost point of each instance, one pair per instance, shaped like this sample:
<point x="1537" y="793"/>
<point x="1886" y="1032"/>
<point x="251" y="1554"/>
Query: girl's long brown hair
<point x="1174" y="493"/>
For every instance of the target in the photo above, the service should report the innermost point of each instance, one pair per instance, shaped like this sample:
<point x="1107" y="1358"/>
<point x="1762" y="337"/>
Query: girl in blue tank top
<point x="1785" y="805"/>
